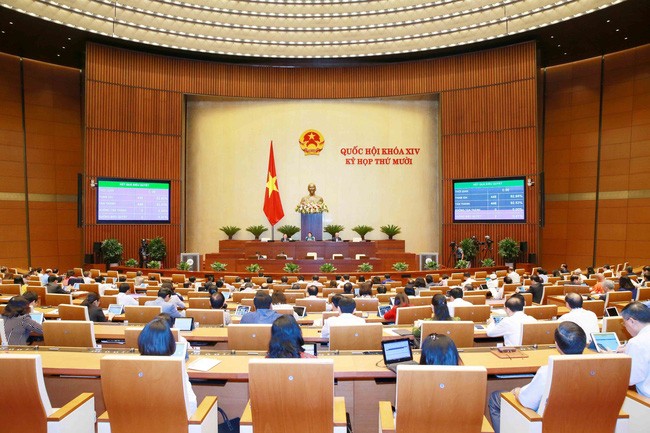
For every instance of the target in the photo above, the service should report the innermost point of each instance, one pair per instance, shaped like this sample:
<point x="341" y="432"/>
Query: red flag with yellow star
<point x="272" y="203"/>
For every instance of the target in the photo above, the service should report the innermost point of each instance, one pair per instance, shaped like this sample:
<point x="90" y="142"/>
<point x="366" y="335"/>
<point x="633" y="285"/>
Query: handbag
<point x="228" y="425"/>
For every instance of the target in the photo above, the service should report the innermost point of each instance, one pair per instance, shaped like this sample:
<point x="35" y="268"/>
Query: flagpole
<point x="272" y="233"/>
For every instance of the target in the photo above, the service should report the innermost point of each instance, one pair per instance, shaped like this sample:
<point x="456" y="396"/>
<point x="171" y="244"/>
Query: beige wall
<point x="227" y="149"/>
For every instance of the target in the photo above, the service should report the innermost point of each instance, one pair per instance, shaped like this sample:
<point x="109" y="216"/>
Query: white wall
<point x="227" y="152"/>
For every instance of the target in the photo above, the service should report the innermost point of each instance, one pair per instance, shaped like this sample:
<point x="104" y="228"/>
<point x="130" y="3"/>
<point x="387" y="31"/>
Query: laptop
<point x="392" y="300"/>
<point x="37" y="317"/>
<point x="356" y="291"/>
<point x="242" y="309"/>
<point x="300" y="310"/>
<point x="611" y="312"/>
<point x="181" y="351"/>
<point x="311" y="348"/>
<point x="605" y="341"/>
<point x="115" y="309"/>
<point x="184" y="323"/>
<point x="397" y="352"/>
<point x="383" y="309"/>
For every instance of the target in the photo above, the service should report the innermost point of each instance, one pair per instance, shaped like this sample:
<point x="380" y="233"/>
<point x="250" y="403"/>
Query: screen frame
<point x="488" y="221"/>
<point x="124" y="179"/>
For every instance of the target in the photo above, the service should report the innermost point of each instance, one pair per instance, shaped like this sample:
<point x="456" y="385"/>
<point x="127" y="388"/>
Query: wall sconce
<point x="531" y="182"/>
<point x="93" y="183"/>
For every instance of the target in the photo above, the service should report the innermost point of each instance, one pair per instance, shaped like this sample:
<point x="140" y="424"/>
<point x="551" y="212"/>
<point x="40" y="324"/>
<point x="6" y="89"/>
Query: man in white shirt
<point x="492" y="283"/>
<point x="514" y="276"/>
<point x="314" y="282"/>
<point x="570" y="339"/>
<point x="347" y="306"/>
<point x="510" y="327"/>
<point x="123" y="298"/>
<point x="636" y="318"/>
<point x="457" y="300"/>
<point x="467" y="279"/>
<point x="586" y="319"/>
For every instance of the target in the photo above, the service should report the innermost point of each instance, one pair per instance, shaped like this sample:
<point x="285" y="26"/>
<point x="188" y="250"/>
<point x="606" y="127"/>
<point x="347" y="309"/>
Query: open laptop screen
<point x="396" y="351"/>
<point x="184" y="323"/>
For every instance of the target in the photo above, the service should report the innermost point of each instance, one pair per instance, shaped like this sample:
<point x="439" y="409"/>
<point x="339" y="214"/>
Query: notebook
<point x="397" y="352"/>
<point x="300" y="310"/>
<point x="203" y="364"/>
<point x="184" y="323"/>
<point x="242" y="309"/>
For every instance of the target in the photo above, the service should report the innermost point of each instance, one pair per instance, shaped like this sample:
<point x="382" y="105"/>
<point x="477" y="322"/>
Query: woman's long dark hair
<point x="286" y="338"/>
<point x="440" y="309"/>
<point x="438" y="349"/>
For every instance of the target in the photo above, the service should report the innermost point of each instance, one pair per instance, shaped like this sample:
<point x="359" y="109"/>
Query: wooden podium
<point x="311" y="222"/>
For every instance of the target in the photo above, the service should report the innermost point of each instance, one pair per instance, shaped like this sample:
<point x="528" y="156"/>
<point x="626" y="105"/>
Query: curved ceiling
<point x="307" y="29"/>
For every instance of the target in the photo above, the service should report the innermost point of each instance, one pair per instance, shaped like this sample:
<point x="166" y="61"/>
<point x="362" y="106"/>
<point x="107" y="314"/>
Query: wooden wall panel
<point x="606" y="193"/>
<point x="13" y="220"/>
<point x="134" y="113"/>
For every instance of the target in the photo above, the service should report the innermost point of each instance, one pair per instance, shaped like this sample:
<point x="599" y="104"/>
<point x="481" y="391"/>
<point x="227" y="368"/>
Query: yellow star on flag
<point x="271" y="184"/>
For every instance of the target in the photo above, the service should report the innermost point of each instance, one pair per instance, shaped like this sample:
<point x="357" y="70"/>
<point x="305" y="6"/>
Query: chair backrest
<point x="528" y="297"/>
<point x="249" y="337"/>
<point x="328" y="314"/>
<point x="131" y="335"/>
<point x="313" y="305"/>
<point x="94" y="273"/>
<point x="577" y="382"/>
<point x="356" y="337"/>
<point x="131" y="274"/>
<point x="195" y="294"/>
<point x="78" y="272"/>
<point x="462" y="332"/>
<point x="144" y="299"/>
<point x="23" y="397"/>
<point x="328" y="290"/>
<point x="476" y="299"/>
<point x="538" y="332"/>
<point x="597" y="306"/>
<point x="474" y="313"/>
<point x="178" y="278"/>
<point x="199" y="302"/>
<point x="292" y="296"/>
<point x="541" y="312"/>
<point x="91" y="288"/>
<point x="144" y="379"/>
<point x="69" y="333"/>
<point x="615" y="324"/>
<point x="140" y="313"/>
<point x="408" y="315"/>
<point x="582" y="290"/>
<point x="206" y="316"/>
<point x="112" y="274"/>
<point x="367" y="304"/>
<point x="300" y="409"/>
<point x="424" y="394"/>
<point x="384" y="298"/>
<point x="107" y="300"/>
<point x="551" y="291"/>
<point x="10" y="289"/>
<point x="419" y="301"/>
<point x="622" y="296"/>
<point x="54" y="299"/>
<point x="642" y="294"/>
<point x="73" y="312"/>
<point x="238" y="296"/>
<point x="430" y="293"/>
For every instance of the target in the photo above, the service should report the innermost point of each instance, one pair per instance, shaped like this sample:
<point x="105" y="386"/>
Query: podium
<point x="311" y="222"/>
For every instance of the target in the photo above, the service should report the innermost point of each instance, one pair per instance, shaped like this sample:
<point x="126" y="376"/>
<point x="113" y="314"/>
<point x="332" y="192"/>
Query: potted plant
<point x="364" y="267"/>
<point x="218" y="266"/>
<point x="470" y="248"/>
<point x="288" y="230"/>
<point x="154" y="264"/>
<point x="508" y="248"/>
<point x="400" y="266"/>
<point x="390" y="230"/>
<point x="254" y="267"/>
<point x="184" y="266"/>
<point x="327" y="267"/>
<point x="230" y="231"/>
<point x="131" y="263"/>
<point x="362" y="230"/>
<point x="256" y="230"/>
<point x="487" y="263"/>
<point x="333" y="229"/>
<point x="462" y="264"/>
<point x="157" y="249"/>
<point x="291" y="268"/>
<point x="112" y="251"/>
<point x="431" y="264"/>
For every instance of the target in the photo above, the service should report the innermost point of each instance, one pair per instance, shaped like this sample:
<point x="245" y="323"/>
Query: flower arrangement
<point x="400" y="266"/>
<point x="312" y="208"/>
<point x="218" y="266"/>
<point x="154" y="264"/>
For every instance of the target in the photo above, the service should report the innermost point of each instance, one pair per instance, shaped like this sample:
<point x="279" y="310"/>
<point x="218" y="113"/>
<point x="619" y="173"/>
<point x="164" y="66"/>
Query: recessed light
<point x="609" y="20"/>
<point x="58" y="55"/>
<point x="11" y="22"/>
<point x="552" y="36"/>
<point x="69" y="39"/>
<point x="625" y="37"/>
<point x="63" y="48"/>
<point x="558" y="45"/>
<point x="565" y="54"/>
<point x="618" y="30"/>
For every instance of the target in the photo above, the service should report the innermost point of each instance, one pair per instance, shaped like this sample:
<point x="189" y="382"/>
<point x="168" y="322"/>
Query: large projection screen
<point x="397" y="181"/>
